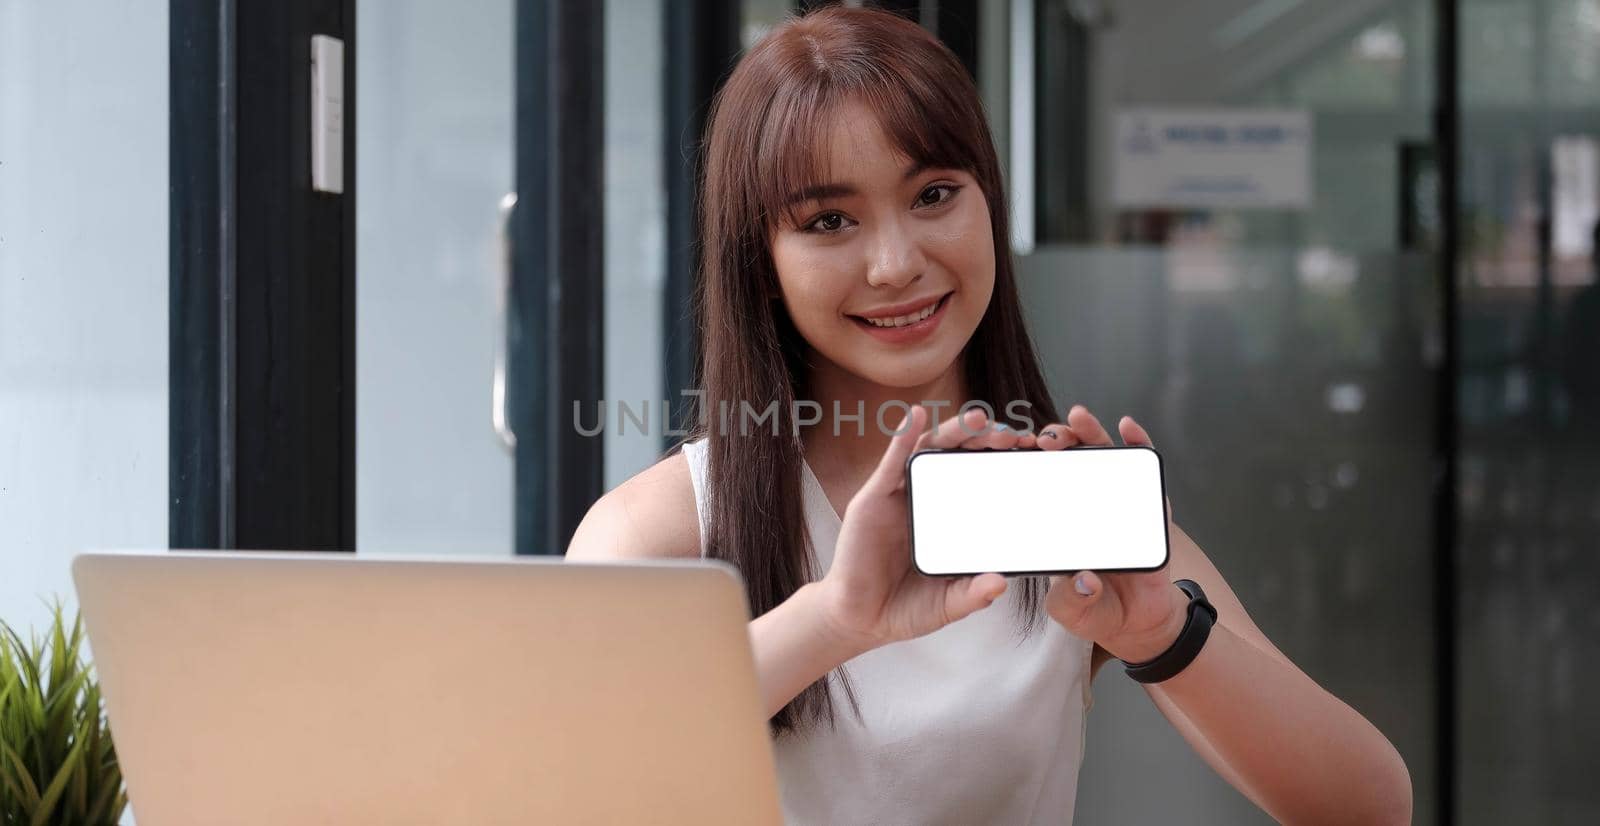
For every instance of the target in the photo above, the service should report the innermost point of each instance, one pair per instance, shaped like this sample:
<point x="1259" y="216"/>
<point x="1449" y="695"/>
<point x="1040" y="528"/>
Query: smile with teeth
<point x="906" y="320"/>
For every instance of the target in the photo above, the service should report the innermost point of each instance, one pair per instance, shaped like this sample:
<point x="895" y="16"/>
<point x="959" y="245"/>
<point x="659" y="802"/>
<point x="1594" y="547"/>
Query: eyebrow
<point x="832" y="190"/>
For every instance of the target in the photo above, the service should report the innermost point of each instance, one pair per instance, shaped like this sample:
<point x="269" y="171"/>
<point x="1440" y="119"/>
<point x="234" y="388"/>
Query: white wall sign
<point x="1211" y="158"/>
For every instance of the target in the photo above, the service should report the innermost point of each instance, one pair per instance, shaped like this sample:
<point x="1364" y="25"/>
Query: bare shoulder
<point x="650" y="516"/>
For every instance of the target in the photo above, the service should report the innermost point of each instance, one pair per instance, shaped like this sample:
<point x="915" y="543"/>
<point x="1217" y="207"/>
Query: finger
<point x="1091" y="615"/>
<point x="1056" y="437"/>
<point x="1087" y="427"/>
<point x="1133" y="434"/>
<point x="964" y="596"/>
<point x="891" y="468"/>
<point x="997" y="437"/>
<point x="953" y="431"/>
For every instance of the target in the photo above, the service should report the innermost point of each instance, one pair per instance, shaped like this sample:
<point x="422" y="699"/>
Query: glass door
<point x="435" y="153"/>
<point x="442" y="350"/>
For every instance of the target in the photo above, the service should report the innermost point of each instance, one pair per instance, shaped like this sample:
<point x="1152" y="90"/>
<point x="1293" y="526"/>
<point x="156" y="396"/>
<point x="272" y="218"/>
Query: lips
<point x="903" y="315"/>
<point x="907" y="328"/>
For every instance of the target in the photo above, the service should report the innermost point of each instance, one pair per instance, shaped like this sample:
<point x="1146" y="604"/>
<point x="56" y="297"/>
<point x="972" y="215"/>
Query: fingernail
<point x="1081" y="585"/>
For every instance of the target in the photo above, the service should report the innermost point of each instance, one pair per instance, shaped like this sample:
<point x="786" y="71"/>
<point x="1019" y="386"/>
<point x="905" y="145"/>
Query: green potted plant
<point x="57" y="763"/>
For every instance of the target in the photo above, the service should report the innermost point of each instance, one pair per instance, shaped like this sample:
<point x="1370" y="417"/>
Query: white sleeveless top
<point x="970" y="724"/>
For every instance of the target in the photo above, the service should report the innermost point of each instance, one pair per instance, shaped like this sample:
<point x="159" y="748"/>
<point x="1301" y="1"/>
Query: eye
<point x="826" y="223"/>
<point x="937" y="194"/>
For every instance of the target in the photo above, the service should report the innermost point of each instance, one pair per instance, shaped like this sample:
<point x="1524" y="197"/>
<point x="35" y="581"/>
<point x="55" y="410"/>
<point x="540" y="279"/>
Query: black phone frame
<point x="1166" y="521"/>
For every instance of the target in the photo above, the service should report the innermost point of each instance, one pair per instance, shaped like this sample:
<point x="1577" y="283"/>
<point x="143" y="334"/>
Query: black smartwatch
<point x="1196" y="628"/>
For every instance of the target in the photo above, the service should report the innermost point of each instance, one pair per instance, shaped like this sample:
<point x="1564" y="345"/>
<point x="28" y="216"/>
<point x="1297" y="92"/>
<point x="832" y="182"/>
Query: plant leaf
<point x="105" y="808"/>
<point x="18" y="779"/>
<point x="58" y="785"/>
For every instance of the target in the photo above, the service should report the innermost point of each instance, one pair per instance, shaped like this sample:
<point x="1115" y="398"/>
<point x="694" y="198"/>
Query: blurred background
<point x="1339" y="256"/>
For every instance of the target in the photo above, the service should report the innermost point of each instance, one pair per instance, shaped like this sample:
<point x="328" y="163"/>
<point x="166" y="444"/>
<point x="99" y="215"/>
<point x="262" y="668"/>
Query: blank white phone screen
<point x="1031" y="511"/>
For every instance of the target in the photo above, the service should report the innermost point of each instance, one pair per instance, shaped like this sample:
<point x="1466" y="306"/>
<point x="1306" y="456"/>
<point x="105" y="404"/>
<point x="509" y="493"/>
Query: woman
<point x="855" y="256"/>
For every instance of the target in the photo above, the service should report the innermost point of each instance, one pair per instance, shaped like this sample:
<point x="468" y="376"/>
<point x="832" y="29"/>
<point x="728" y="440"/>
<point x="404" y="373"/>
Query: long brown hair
<point x="766" y="139"/>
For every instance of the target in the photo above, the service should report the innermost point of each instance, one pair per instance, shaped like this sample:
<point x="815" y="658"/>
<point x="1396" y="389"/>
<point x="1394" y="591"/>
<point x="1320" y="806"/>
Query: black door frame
<point x="262" y="284"/>
<point x="556" y="316"/>
<point x="1447" y="416"/>
<point x="701" y="40"/>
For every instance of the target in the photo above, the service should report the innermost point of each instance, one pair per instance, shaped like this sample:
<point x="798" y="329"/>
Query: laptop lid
<point x="266" y="688"/>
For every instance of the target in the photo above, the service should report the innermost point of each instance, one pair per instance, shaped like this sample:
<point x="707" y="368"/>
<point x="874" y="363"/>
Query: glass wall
<point x="1275" y="332"/>
<point x="83" y="291"/>
<point x="1529" y="485"/>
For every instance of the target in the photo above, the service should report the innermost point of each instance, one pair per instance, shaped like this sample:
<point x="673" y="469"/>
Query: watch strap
<point x="1196" y="630"/>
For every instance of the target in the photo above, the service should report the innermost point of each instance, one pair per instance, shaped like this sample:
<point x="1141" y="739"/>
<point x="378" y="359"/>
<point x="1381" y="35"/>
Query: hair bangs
<point x="794" y="149"/>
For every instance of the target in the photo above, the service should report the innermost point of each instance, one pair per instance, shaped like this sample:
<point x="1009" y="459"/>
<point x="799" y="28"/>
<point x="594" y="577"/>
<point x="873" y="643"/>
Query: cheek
<point x="964" y="247"/>
<point x="815" y="286"/>
<point x="812" y="295"/>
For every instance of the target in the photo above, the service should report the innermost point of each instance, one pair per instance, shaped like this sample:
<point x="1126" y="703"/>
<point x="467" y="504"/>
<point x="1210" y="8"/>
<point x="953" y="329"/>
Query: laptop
<point x="273" y="688"/>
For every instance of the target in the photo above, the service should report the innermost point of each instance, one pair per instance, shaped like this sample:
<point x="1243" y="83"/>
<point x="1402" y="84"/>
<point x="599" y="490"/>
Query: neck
<point x="836" y="447"/>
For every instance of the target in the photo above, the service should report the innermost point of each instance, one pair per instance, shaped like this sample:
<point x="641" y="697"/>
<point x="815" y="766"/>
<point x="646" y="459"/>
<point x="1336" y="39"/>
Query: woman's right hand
<point x="872" y="595"/>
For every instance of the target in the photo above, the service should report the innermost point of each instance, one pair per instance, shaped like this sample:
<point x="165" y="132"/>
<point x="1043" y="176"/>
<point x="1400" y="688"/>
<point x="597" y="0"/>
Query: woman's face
<point x="888" y="267"/>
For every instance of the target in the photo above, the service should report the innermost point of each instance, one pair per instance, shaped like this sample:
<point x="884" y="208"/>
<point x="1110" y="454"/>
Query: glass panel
<point x="1282" y="358"/>
<point x="1530" y="418"/>
<point x="635" y="234"/>
<point x="1496" y="42"/>
<point x="434" y="156"/>
<point x="1572" y="60"/>
<point x="83" y="291"/>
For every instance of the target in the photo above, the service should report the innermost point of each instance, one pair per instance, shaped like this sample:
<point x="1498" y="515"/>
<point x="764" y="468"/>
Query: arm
<point x="1295" y="750"/>
<point x="795" y="646"/>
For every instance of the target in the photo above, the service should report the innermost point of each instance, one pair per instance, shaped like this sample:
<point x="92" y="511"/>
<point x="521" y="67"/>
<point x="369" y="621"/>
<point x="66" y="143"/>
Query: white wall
<point x="83" y="289"/>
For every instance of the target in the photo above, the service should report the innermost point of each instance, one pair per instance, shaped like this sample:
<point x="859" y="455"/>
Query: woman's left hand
<point x="1134" y="616"/>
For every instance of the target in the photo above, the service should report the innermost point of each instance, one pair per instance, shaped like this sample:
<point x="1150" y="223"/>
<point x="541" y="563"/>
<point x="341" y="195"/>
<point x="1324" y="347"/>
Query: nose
<point x="895" y="257"/>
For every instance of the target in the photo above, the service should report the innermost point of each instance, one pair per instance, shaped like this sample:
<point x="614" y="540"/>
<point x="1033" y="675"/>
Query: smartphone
<point x="1019" y="512"/>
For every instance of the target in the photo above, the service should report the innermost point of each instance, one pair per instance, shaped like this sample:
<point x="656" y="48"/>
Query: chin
<point x="908" y="370"/>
